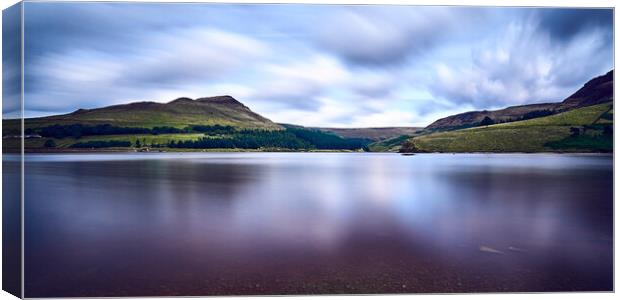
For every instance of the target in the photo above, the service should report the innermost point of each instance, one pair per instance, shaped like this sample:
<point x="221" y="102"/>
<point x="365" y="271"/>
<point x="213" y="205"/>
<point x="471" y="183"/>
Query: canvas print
<point x="202" y="149"/>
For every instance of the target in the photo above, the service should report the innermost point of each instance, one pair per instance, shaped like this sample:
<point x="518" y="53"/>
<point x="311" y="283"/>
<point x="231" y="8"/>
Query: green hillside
<point x="180" y="125"/>
<point x="587" y="129"/>
<point x="388" y="145"/>
<point x="375" y="134"/>
<point x="598" y="90"/>
<point x="179" y="113"/>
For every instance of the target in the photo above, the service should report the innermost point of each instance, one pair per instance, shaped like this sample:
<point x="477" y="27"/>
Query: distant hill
<point x="585" y="129"/>
<point x="390" y="144"/>
<point x="474" y="118"/>
<point x="179" y="113"/>
<point x="595" y="91"/>
<point x="373" y="134"/>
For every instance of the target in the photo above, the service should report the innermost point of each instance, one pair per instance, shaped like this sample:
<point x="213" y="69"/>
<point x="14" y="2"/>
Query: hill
<point x="587" y="129"/>
<point x="179" y="113"/>
<point x="595" y="91"/>
<point x="389" y="145"/>
<point x="181" y="125"/>
<point x="474" y="118"/>
<point x="373" y="134"/>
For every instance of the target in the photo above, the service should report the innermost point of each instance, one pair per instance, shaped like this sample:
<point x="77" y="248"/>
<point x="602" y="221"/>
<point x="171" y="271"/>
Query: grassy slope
<point x="388" y="145"/>
<point x="180" y="113"/>
<point x="129" y="119"/>
<point x="598" y="90"/>
<point x="524" y="136"/>
<point x="375" y="134"/>
<point x="150" y="119"/>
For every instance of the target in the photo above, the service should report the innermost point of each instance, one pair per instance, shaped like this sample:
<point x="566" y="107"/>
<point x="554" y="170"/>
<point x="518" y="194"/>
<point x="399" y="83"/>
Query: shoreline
<point x="179" y="150"/>
<point x="225" y="150"/>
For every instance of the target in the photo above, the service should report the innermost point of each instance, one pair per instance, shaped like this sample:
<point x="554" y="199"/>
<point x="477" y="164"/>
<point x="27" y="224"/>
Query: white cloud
<point x="329" y="113"/>
<point x="193" y="54"/>
<point x="387" y="118"/>
<point x="388" y="35"/>
<point x="298" y="84"/>
<point x="180" y="61"/>
<point x="314" y="65"/>
<point x="520" y="66"/>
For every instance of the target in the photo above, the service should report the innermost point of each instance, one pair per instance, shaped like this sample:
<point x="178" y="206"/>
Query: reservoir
<point x="147" y="224"/>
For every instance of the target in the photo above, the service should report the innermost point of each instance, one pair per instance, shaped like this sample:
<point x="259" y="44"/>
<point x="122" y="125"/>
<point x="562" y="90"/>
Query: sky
<point x="312" y="65"/>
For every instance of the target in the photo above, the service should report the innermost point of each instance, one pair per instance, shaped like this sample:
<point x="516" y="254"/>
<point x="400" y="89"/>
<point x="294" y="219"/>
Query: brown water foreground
<point x="316" y="223"/>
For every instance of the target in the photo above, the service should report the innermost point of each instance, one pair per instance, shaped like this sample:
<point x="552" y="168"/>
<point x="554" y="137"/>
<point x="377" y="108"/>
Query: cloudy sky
<point x="312" y="65"/>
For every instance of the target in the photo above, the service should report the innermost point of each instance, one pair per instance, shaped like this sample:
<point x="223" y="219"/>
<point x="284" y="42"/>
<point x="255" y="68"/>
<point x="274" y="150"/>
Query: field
<point x="572" y="131"/>
<point x="143" y="138"/>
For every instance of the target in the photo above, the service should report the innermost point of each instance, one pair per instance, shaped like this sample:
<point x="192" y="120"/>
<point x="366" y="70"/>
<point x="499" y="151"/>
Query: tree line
<point x="216" y="136"/>
<point x="290" y="138"/>
<point x="101" y="144"/>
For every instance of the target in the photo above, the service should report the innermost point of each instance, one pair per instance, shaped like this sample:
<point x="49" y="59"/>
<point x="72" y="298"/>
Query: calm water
<point x="286" y="223"/>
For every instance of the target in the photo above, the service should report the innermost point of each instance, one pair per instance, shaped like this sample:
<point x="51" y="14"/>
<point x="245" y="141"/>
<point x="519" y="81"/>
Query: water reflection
<point x="274" y="223"/>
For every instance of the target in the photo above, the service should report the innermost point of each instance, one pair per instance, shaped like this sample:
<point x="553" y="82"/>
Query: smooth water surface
<point x="287" y="223"/>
